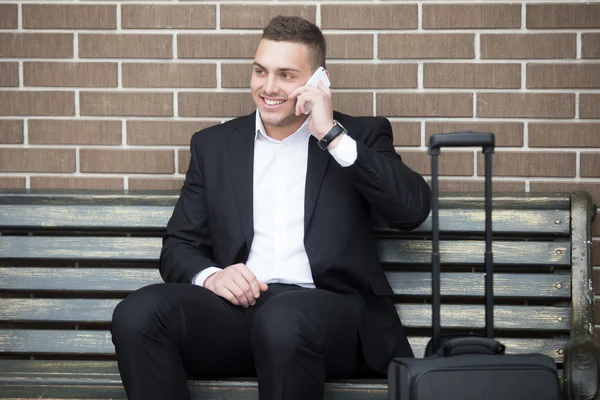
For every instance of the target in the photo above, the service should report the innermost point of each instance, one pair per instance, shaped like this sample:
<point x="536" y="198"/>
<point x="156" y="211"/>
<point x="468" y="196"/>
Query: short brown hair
<point x="298" y="30"/>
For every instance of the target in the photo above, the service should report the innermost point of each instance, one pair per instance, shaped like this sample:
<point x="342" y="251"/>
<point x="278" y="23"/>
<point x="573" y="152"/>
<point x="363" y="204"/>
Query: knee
<point x="279" y="330"/>
<point x="137" y="313"/>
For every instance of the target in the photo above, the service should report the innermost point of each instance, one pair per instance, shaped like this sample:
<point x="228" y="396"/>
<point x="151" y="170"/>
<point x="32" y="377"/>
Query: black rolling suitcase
<point x="469" y="367"/>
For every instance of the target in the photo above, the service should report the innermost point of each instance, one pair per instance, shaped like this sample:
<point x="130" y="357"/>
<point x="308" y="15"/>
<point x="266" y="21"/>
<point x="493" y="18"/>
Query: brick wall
<point x="106" y="94"/>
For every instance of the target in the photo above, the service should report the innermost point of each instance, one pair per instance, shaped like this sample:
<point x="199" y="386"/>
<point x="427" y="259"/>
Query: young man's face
<point x="279" y="68"/>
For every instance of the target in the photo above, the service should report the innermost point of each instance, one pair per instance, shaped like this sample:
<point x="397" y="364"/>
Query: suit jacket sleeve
<point x="187" y="245"/>
<point x="398" y="193"/>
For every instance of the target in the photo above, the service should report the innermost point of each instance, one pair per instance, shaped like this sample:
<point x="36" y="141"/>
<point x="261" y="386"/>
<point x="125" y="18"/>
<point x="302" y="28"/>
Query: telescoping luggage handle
<point x="461" y="139"/>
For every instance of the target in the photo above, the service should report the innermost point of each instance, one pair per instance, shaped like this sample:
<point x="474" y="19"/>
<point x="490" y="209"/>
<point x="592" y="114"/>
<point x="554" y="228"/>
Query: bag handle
<point x="461" y="139"/>
<point x="471" y="345"/>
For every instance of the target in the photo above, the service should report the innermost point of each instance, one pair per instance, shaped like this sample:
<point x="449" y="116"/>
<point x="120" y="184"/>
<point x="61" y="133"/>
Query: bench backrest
<point x="68" y="259"/>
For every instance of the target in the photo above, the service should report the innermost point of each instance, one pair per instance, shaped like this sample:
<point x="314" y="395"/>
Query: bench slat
<point x="506" y="200"/>
<point x="146" y="217"/>
<point x="391" y="251"/>
<point x="403" y="283"/>
<point x="21" y="341"/>
<point x="530" y="318"/>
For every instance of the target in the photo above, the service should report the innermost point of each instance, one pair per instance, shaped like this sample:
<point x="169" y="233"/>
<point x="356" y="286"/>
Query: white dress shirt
<point x="277" y="254"/>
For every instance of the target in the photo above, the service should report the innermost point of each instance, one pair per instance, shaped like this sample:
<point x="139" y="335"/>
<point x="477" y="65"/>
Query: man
<point x="269" y="262"/>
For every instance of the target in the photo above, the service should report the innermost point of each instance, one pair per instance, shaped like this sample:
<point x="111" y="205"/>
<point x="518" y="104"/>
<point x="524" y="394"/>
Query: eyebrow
<point x="278" y="69"/>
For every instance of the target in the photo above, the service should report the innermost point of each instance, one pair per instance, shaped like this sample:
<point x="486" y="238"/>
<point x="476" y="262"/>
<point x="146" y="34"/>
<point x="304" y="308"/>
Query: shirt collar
<point x="297" y="137"/>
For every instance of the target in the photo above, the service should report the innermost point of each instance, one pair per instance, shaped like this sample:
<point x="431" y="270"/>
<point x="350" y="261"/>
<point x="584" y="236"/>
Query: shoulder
<point x="220" y="132"/>
<point x="362" y="127"/>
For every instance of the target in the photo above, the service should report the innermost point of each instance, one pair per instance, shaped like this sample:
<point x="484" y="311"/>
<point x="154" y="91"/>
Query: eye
<point x="287" y="76"/>
<point x="259" y="72"/>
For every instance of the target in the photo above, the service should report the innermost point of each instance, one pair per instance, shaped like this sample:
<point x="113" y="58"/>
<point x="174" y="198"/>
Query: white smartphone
<point x="319" y="75"/>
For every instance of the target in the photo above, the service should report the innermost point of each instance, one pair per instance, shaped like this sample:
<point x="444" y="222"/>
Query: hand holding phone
<point x="319" y="75"/>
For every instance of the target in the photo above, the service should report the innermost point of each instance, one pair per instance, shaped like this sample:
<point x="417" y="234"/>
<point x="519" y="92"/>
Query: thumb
<point x="263" y="286"/>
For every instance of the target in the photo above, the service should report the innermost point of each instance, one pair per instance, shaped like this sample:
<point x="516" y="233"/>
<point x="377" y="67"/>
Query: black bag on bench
<point x="469" y="367"/>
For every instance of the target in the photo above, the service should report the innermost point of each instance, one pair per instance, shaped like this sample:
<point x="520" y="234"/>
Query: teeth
<point x="273" y="102"/>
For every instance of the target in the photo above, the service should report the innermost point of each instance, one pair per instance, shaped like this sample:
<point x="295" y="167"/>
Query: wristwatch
<point x="337" y="130"/>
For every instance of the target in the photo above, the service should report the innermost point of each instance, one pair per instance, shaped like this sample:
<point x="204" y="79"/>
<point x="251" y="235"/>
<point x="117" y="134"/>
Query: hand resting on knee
<point x="237" y="284"/>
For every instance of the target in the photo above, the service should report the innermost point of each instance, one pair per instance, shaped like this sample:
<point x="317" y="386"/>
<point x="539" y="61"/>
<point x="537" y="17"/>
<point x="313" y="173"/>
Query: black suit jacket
<point x="212" y="223"/>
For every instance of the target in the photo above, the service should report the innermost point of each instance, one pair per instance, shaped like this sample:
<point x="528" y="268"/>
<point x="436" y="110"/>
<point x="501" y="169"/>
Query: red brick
<point x="547" y="164"/>
<point x="12" y="182"/>
<point x="590" y="165"/>
<point x="471" y="16"/>
<point x="215" y="104"/>
<point x="406" y="133"/>
<point x="11" y="131"/>
<point x="31" y="103"/>
<point x="447" y="45"/>
<point x="37" y="160"/>
<point x="9" y="74"/>
<point x="69" y="16"/>
<point x="125" y="46"/>
<point x="72" y="74"/>
<point x="9" y="18"/>
<point x="86" y="183"/>
<point x="164" y="133"/>
<point x="563" y="135"/>
<point x="526" y="105"/>
<point x="425" y="104"/>
<point x="589" y="105"/>
<point x="560" y="16"/>
<point x="38" y="45"/>
<point x="157" y="16"/>
<point x="590" y="43"/>
<point x="74" y="131"/>
<point x="126" y="104"/>
<point x="530" y="45"/>
<point x="455" y="75"/>
<point x="127" y="161"/>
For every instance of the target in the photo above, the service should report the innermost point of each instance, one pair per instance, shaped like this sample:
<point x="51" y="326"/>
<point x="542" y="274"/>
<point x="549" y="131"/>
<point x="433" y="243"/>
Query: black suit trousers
<point x="292" y="340"/>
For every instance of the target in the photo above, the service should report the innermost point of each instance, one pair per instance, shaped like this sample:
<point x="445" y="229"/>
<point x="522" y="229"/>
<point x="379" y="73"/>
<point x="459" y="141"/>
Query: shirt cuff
<point x="200" y="277"/>
<point x="345" y="153"/>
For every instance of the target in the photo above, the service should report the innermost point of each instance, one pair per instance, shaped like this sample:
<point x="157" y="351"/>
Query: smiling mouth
<point x="273" y="102"/>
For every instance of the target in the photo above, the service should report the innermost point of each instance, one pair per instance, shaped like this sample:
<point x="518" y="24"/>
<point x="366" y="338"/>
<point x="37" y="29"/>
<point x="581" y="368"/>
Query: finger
<point x="244" y="286"/>
<point x="324" y="88"/>
<point x="225" y="293"/>
<point x="263" y="286"/>
<point x="232" y="286"/>
<point x="252" y="281"/>
<point x="302" y="89"/>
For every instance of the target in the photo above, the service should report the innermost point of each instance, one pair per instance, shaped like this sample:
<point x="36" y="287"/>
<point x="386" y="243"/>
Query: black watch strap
<point x="337" y="130"/>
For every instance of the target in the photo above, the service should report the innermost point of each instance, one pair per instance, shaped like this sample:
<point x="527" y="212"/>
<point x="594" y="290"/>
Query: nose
<point x="271" y="85"/>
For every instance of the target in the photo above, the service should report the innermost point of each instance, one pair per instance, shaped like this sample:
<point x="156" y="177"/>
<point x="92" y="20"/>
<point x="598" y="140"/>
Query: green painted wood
<point x="468" y="252"/>
<point x="148" y="217"/>
<point x="521" y="318"/>
<point x="81" y="248"/>
<point x="85" y="217"/>
<point x="513" y="222"/>
<point x="20" y="341"/>
<point x="472" y="285"/>
<point x="55" y="379"/>
<point x="548" y="201"/>
<point x="465" y="252"/>
<point x="403" y="283"/>
<point x="101" y="380"/>
<point x="200" y="390"/>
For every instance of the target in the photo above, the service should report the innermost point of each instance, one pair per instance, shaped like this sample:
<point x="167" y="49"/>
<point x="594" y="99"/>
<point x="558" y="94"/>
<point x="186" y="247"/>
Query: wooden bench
<point x="68" y="259"/>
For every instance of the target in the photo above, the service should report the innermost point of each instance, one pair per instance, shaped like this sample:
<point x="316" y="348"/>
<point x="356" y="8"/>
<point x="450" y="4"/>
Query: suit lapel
<point x="241" y="154"/>
<point x="317" y="165"/>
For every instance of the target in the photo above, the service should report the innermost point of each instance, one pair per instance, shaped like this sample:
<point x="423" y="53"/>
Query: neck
<point x="282" y="132"/>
